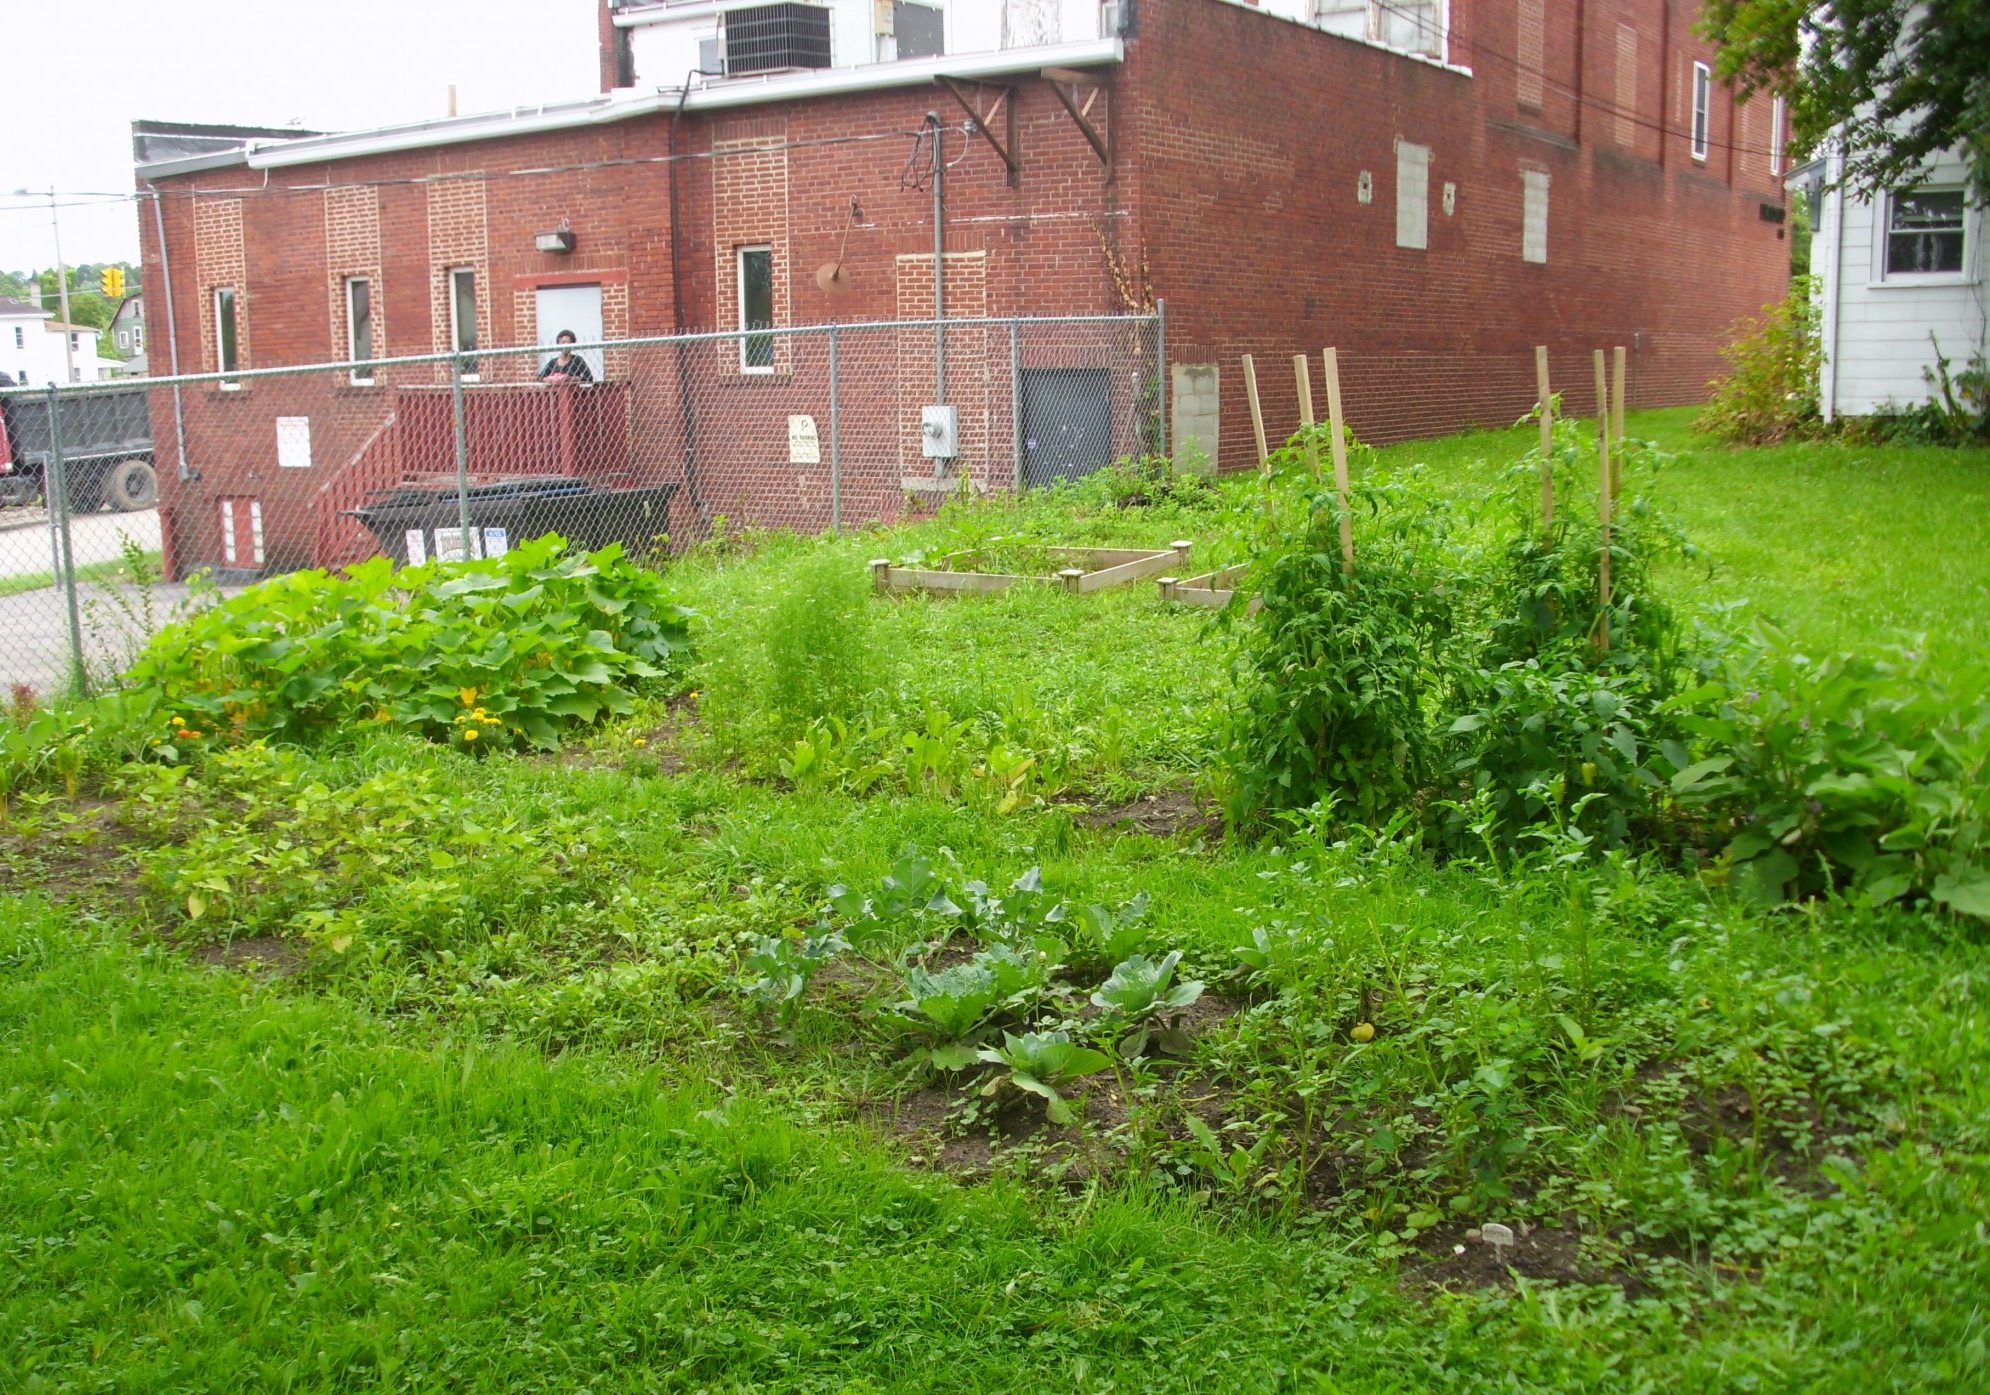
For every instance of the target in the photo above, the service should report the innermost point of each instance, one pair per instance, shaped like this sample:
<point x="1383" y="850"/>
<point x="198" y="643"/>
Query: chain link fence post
<point x="1161" y="374"/>
<point x="469" y="548"/>
<point x="56" y="489"/>
<point x="835" y="441"/>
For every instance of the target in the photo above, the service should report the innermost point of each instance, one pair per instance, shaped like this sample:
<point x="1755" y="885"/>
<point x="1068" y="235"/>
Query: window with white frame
<point x="20" y="339"/>
<point x="1534" y="216"/>
<point x="1703" y="96"/>
<point x="1412" y="195"/>
<point x="463" y="317"/>
<point x="226" y="343"/>
<point x="1778" y="117"/>
<point x="1413" y="26"/>
<point x="1925" y="229"/>
<point x="756" y="309"/>
<point x="359" y="327"/>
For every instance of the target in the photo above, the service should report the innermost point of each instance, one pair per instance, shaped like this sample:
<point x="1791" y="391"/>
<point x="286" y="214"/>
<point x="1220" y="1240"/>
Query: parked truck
<point x="106" y="449"/>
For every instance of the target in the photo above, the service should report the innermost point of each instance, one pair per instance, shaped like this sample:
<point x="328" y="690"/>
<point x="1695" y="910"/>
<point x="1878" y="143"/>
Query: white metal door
<point x="577" y="308"/>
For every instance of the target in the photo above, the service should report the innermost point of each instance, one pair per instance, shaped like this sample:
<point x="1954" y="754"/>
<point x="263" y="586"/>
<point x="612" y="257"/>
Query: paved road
<point x="94" y="537"/>
<point x="34" y="629"/>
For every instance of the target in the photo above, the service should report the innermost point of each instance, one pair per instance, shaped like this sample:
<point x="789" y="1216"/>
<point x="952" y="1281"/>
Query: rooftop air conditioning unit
<point x="768" y="38"/>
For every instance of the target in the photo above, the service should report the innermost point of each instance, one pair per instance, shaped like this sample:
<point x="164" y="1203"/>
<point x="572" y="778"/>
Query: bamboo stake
<point x="1603" y="493"/>
<point x="1330" y="360"/>
<point x="1617" y="423"/>
<point x="1302" y="372"/>
<point x="1547" y="437"/>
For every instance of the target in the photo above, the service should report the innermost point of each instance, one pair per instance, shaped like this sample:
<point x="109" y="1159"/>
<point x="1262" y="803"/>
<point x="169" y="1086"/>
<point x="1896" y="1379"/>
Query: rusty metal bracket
<point x="1005" y="106"/>
<point x="1101" y="146"/>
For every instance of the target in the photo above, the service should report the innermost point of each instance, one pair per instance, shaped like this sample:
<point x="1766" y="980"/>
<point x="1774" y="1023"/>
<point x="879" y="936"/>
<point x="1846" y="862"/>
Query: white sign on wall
<point x="293" y="443"/>
<point x="804" y="445"/>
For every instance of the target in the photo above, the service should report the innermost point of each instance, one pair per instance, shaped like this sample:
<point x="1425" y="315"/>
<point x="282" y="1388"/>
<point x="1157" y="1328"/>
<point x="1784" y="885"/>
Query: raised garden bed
<point x="1079" y="570"/>
<point x="1212" y="589"/>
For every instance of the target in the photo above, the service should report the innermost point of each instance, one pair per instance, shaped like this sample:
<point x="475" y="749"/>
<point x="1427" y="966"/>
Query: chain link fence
<point x="120" y="502"/>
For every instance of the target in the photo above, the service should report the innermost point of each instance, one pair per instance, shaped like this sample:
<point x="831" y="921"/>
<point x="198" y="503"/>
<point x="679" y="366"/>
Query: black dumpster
<point x="422" y="523"/>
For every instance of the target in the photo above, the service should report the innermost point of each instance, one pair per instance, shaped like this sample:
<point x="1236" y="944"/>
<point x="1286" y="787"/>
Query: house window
<point x="1534" y="216"/>
<point x="20" y="339"/>
<point x="1412" y="195"/>
<point x="1703" y="92"/>
<point x="75" y="343"/>
<point x="1924" y="230"/>
<point x="138" y="339"/>
<point x="918" y="31"/>
<point x="1413" y="26"/>
<point x="225" y="342"/>
<point x="756" y="308"/>
<point x="463" y="317"/>
<point x="1778" y="115"/>
<point x="359" y="327"/>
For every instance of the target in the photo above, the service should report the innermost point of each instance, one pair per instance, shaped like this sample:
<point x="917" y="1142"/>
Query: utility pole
<point x="62" y="289"/>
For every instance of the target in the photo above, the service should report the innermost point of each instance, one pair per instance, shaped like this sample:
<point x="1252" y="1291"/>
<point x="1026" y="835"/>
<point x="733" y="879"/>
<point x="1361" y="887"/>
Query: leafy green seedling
<point x="1274" y="955"/>
<point x="1042" y="1063"/>
<point x="955" y="1001"/>
<point x="1138" y="991"/>
<point x="782" y="970"/>
<point x="1104" y="935"/>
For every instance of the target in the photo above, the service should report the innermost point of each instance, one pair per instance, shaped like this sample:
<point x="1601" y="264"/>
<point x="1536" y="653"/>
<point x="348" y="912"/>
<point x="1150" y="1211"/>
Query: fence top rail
<point x="513" y="351"/>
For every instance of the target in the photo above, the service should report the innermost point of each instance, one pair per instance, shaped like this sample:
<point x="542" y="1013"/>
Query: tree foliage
<point x="1901" y="80"/>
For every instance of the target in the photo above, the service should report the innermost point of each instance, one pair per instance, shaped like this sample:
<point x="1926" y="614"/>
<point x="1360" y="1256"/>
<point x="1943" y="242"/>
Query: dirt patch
<point x="1165" y="813"/>
<point x="82" y="858"/>
<point x="1457" y="1255"/>
<point x="264" y="956"/>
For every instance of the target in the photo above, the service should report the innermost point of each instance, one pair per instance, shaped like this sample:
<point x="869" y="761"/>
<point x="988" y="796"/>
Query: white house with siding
<point x="1899" y="280"/>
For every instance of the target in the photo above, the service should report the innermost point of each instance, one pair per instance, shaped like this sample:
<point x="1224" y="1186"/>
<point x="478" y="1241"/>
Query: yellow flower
<point x="642" y="741"/>
<point x="469" y="733"/>
<point x="1364" y="1031"/>
<point x="469" y="695"/>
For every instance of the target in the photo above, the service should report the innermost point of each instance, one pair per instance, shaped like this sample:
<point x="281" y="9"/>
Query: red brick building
<point x="1566" y="175"/>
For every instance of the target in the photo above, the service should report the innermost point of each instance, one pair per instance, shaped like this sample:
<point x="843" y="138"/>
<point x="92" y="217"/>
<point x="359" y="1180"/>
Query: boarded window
<point x="1703" y="96"/>
<point x="1534" y="216"/>
<point x="1527" y="54"/>
<point x="1627" y="86"/>
<point x="1412" y="195"/>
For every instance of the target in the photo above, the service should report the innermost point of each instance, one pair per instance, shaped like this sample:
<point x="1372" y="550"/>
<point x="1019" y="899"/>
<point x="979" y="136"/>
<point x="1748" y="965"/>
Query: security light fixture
<point x="560" y="240"/>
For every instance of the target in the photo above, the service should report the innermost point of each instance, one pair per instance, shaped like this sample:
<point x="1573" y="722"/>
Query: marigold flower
<point x="469" y="733"/>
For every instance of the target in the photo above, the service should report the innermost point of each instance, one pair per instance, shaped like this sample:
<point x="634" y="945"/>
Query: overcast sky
<point x="76" y="75"/>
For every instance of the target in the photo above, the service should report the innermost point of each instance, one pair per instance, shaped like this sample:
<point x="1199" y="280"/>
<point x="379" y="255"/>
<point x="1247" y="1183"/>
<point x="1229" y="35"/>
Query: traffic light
<point x="113" y="282"/>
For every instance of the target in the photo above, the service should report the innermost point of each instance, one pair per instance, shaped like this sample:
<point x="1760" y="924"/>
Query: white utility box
<point x="939" y="432"/>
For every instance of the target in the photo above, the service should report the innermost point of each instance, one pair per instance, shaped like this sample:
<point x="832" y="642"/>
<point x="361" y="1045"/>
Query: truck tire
<point x="131" y="485"/>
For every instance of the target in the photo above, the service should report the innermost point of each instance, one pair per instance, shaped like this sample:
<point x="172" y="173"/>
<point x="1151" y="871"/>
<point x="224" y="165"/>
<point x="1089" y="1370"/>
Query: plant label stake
<point x="1301" y="371"/>
<point x="1547" y="438"/>
<point x="1257" y="426"/>
<point x="1603" y="504"/>
<point x="1617" y="421"/>
<point x="1330" y="360"/>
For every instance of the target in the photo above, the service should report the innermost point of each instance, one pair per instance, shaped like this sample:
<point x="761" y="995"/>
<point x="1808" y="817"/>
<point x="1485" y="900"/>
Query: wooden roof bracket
<point x="1005" y="105"/>
<point x="1057" y="78"/>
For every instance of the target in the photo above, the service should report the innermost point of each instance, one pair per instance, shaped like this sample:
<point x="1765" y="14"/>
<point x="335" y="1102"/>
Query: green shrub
<point x="1338" y="673"/>
<point x="1769" y="393"/>
<point x="1868" y="775"/>
<point x="494" y="652"/>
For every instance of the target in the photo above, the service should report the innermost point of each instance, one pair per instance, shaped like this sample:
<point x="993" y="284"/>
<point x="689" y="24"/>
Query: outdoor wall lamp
<point x="558" y="241"/>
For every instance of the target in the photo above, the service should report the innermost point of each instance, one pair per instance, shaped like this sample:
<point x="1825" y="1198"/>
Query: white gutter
<point x="1833" y="288"/>
<point x="732" y="92"/>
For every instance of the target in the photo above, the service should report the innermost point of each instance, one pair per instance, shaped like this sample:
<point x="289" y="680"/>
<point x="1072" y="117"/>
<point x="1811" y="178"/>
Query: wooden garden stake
<point x="1330" y="359"/>
<point x="1302" y="372"/>
<point x="1617" y="422"/>
<point x="1547" y="437"/>
<point x="1603" y="492"/>
<point x="1257" y="413"/>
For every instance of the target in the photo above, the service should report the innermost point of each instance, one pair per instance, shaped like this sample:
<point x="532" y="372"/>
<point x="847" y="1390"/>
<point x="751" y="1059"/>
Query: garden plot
<point x="1078" y="570"/>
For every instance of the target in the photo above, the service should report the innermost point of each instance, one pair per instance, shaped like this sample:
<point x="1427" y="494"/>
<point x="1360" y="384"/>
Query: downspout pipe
<point x="186" y="472"/>
<point x="689" y="422"/>
<point x="939" y="265"/>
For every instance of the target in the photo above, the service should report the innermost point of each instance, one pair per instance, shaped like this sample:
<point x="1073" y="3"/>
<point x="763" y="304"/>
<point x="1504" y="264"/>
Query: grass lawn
<point x="90" y="572"/>
<point x="388" y="1065"/>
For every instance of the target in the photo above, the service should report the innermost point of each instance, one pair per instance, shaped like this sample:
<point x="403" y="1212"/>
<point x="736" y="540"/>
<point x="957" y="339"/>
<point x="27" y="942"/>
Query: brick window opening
<point x="1778" y="118"/>
<point x="226" y="343"/>
<point x="1412" y="196"/>
<point x="1627" y="86"/>
<point x="242" y="532"/>
<point x="1703" y="95"/>
<point x="1924" y="232"/>
<point x="1528" y="56"/>
<point x="359" y="328"/>
<point x="463" y="318"/>
<point x="1534" y="216"/>
<point x="756" y="308"/>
